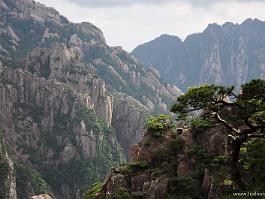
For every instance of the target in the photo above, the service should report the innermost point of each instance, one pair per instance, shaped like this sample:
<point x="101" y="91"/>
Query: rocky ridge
<point x="228" y="54"/>
<point x="49" y="127"/>
<point x="169" y="167"/>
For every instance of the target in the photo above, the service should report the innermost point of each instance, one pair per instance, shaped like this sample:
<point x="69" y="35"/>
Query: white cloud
<point x="130" y="25"/>
<point x="111" y="3"/>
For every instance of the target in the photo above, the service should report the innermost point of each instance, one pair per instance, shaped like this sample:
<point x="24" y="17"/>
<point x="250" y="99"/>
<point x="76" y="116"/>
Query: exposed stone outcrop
<point x="35" y="112"/>
<point x="64" y="64"/>
<point x="155" y="167"/>
<point x="43" y="196"/>
<point x="128" y="118"/>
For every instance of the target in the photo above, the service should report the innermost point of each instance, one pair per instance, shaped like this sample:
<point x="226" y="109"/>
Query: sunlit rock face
<point x="231" y="54"/>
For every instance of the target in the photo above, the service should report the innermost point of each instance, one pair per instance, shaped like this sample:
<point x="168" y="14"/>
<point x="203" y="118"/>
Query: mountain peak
<point x="213" y="27"/>
<point x="171" y="37"/>
<point x="213" y="56"/>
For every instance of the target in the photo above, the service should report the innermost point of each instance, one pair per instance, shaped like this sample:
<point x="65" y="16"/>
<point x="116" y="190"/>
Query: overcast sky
<point x="128" y="23"/>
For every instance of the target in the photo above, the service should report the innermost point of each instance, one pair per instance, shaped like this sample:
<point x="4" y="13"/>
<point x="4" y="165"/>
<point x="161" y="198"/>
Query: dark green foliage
<point x="176" y="145"/>
<point x="37" y="114"/>
<point x="137" y="195"/>
<point x="79" y="172"/>
<point x="198" y="152"/>
<point x="200" y="124"/>
<point x="252" y="99"/>
<point x="121" y="193"/>
<point x="243" y="115"/>
<point x="24" y="177"/>
<point x="253" y="159"/>
<point x="202" y="158"/>
<point x="136" y="166"/>
<point x="253" y="90"/>
<point x="94" y="189"/>
<point x="163" y="154"/>
<point x="157" y="126"/>
<point x="2" y="145"/>
<point x="4" y="170"/>
<point x="203" y="97"/>
<point x="218" y="162"/>
<point x="92" y="121"/>
<point x="182" y="187"/>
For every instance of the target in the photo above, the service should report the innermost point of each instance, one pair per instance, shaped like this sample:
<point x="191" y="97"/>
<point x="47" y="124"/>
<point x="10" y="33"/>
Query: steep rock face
<point x="29" y="24"/>
<point x="7" y="177"/>
<point x="231" y="54"/>
<point x="128" y="119"/>
<point x="70" y="104"/>
<point x="51" y="128"/>
<point x="30" y="28"/>
<point x="65" y="64"/>
<point x="125" y="74"/>
<point x="8" y="180"/>
<point x="162" y="167"/>
<point x="26" y="24"/>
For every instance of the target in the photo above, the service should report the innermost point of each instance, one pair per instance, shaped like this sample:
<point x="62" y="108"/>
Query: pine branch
<point x="219" y="119"/>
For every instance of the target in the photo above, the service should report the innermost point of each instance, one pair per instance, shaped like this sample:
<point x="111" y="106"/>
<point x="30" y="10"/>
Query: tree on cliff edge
<point x="243" y="114"/>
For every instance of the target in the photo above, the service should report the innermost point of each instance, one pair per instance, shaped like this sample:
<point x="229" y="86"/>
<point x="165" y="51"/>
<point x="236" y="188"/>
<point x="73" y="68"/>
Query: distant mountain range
<point x="228" y="54"/>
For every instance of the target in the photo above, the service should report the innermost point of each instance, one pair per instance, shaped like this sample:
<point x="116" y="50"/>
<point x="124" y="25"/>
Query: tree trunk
<point x="235" y="169"/>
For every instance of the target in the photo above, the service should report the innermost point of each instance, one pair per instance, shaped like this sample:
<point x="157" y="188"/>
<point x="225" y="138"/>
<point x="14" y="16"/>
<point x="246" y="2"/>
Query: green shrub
<point x="137" y="195"/>
<point x="4" y="172"/>
<point x="161" y="155"/>
<point x="137" y="166"/>
<point x="25" y="176"/>
<point x="182" y="187"/>
<point x="199" y="125"/>
<point x="157" y="126"/>
<point x="121" y="193"/>
<point x="176" y="144"/>
<point x="253" y="159"/>
<point x="147" y="143"/>
<point x="95" y="188"/>
<point x="219" y="161"/>
<point x="2" y="144"/>
<point x="197" y="151"/>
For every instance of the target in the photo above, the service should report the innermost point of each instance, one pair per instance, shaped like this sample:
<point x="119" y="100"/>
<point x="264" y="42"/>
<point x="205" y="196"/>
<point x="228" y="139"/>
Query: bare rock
<point x="158" y="188"/>
<point x="43" y="196"/>
<point x="183" y="168"/>
<point x="116" y="181"/>
<point x="138" y="181"/>
<point x="207" y="181"/>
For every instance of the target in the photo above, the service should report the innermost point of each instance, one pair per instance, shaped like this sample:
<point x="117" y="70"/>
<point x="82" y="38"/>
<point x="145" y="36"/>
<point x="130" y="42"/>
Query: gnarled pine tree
<point x="243" y="114"/>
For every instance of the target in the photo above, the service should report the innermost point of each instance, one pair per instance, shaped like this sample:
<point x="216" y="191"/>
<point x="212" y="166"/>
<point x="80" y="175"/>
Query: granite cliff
<point x="70" y="105"/>
<point x="174" y="165"/>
